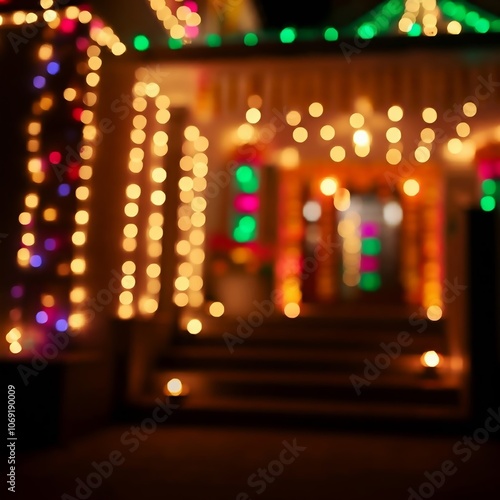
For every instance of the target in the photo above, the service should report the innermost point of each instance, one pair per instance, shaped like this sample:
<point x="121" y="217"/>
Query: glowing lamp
<point x="430" y="359"/>
<point x="174" y="387"/>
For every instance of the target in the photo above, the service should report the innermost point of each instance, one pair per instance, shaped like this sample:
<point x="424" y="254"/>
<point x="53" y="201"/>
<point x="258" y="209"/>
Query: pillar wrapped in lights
<point x="60" y="134"/>
<point x="82" y="193"/>
<point x="158" y="148"/>
<point x="191" y="219"/>
<point x="127" y="309"/>
<point x="144" y="200"/>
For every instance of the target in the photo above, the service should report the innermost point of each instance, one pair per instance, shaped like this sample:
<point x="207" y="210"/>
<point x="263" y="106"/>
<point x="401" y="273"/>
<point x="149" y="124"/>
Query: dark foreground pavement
<point x="188" y="462"/>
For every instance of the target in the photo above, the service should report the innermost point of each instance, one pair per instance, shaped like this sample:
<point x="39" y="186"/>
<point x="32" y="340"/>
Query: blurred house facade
<point x="271" y="212"/>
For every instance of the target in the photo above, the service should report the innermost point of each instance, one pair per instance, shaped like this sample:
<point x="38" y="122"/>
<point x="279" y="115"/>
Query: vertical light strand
<point x="425" y="145"/>
<point x="27" y="255"/>
<point x="190" y="246"/>
<point x="394" y="136"/>
<point x="349" y="230"/>
<point x="27" y="219"/>
<point x="432" y="271"/>
<point x="410" y="250"/>
<point x="291" y="234"/>
<point x="82" y="192"/>
<point x="149" y="301"/>
<point x="126" y="308"/>
<point x="459" y="146"/>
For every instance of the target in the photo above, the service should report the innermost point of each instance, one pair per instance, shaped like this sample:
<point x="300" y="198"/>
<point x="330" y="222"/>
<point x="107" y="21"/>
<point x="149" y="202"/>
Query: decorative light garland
<point x="51" y="262"/>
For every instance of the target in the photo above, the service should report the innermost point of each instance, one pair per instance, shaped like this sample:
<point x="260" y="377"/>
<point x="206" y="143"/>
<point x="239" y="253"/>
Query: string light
<point x="188" y="283"/>
<point x="73" y="171"/>
<point x="182" y="25"/>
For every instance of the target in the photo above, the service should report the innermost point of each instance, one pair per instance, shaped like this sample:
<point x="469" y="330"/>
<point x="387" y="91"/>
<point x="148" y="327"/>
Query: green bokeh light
<point x="367" y="30"/>
<point x="214" y="40"/>
<point x="245" y="229"/>
<point x="141" y="42"/>
<point x="488" y="203"/>
<point x="174" y="43"/>
<point x="449" y="8"/>
<point x="460" y="13"/>
<point x="247" y="179"/>
<point x="416" y="30"/>
<point x="250" y="39"/>
<point x="370" y="282"/>
<point x="331" y="35"/>
<point x="472" y="18"/>
<point x="288" y="35"/>
<point x="482" y="26"/>
<point x="370" y="246"/>
<point x="489" y="187"/>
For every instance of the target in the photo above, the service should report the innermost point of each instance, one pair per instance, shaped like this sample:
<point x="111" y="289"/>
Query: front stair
<point x="300" y="370"/>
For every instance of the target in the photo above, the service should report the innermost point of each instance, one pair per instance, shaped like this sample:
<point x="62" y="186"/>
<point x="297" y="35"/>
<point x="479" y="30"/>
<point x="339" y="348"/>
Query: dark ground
<point x="189" y="462"/>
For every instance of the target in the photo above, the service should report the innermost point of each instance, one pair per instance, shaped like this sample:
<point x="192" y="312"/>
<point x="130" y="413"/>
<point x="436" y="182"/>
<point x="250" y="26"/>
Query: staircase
<point x="303" y="368"/>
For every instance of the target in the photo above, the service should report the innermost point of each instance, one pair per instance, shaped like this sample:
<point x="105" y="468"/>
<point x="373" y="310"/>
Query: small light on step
<point x="430" y="359"/>
<point x="173" y="387"/>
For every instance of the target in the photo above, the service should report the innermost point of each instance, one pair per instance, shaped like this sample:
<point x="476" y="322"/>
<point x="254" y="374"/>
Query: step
<point x="410" y="386"/>
<point x="258" y="411"/>
<point x="258" y="358"/>
<point x="279" y="335"/>
<point x="321" y="328"/>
